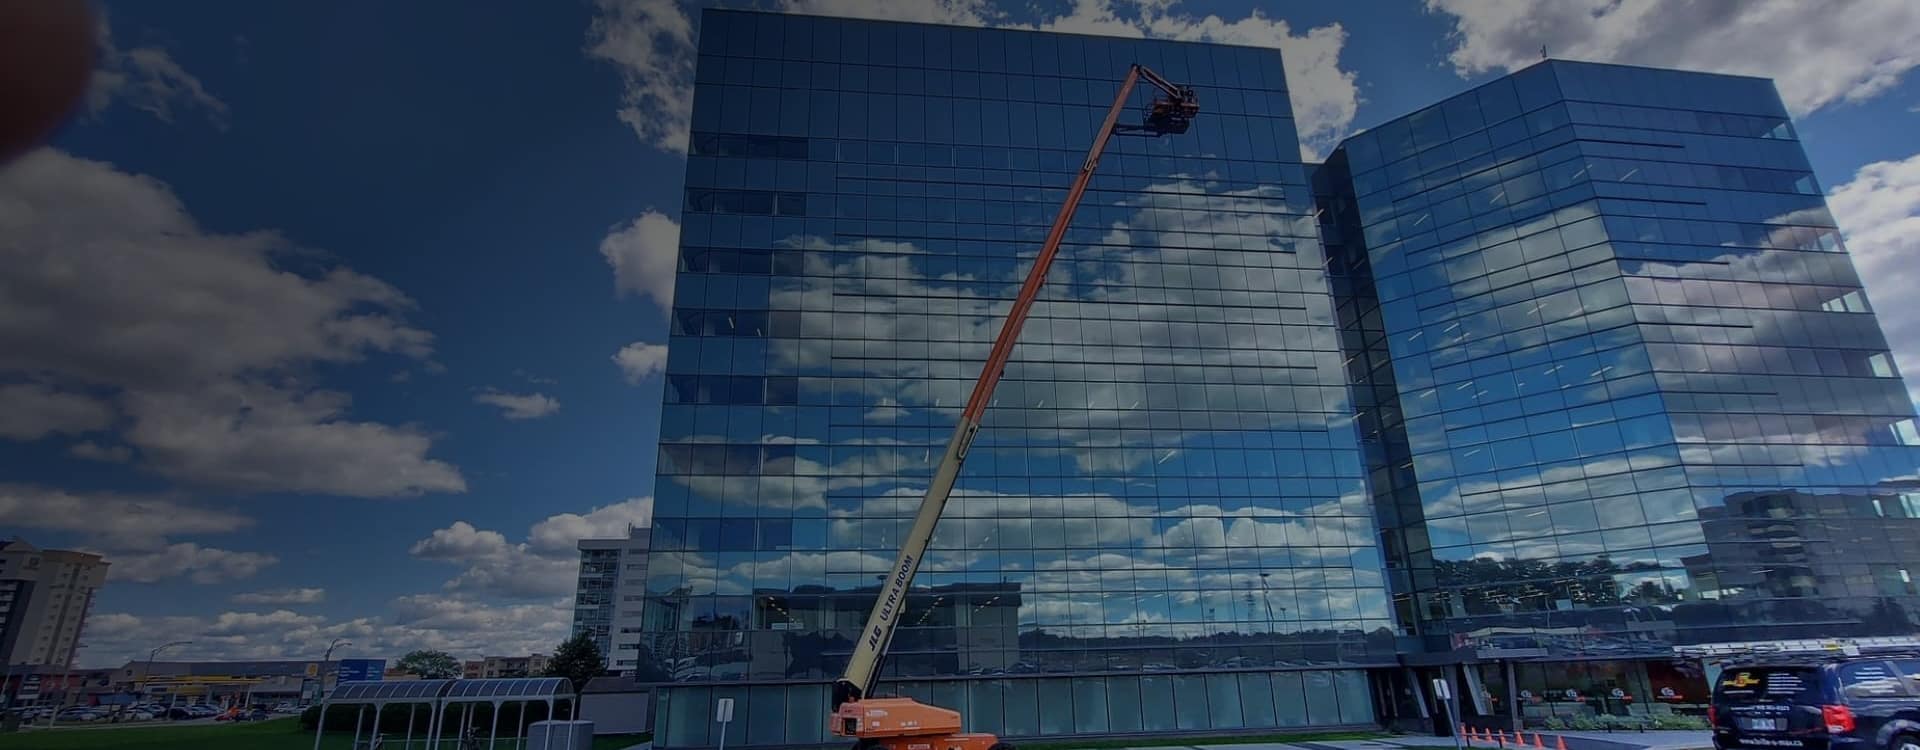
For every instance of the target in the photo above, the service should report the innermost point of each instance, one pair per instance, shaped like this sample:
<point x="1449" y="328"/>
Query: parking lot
<point x="95" y="717"/>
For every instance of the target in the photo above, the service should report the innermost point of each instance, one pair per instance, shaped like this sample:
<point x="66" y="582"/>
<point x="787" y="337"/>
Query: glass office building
<point x="1164" y="524"/>
<point x="1620" y="390"/>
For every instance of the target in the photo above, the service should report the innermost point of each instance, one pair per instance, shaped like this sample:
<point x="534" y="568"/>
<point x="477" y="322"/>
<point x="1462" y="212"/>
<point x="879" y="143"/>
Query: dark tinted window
<point x="1870" y="679"/>
<point x="1910" y="671"/>
<point x="1768" y="685"/>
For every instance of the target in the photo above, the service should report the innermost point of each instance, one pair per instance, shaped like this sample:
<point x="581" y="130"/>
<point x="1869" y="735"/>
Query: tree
<point x="578" y="659"/>
<point x="429" y="664"/>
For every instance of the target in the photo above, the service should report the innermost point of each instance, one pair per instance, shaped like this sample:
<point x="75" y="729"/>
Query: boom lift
<point x="903" y="723"/>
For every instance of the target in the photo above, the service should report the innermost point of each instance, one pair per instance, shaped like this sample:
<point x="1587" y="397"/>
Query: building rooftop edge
<point x="1535" y="64"/>
<point x="1199" y="42"/>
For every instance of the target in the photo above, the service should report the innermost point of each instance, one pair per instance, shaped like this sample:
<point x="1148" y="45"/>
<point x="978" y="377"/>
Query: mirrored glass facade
<point x="1166" y="507"/>
<point x="1551" y="377"/>
<point x="1619" y="386"/>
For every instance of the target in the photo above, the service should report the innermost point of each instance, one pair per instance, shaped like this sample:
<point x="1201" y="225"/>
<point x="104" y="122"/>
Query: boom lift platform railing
<point x="903" y="723"/>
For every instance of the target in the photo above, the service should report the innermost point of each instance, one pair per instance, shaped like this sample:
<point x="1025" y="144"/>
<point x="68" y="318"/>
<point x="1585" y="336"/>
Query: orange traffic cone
<point x="1538" y="744"/>
<point x="1501" y="737"/>
<point x="1562" y="744"/>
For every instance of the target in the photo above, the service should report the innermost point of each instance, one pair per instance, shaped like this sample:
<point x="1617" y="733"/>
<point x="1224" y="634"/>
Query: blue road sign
<point x="362" y="670"/>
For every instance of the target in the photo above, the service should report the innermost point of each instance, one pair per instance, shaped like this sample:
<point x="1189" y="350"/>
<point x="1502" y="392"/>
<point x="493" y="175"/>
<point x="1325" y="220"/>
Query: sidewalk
<point x="1576" y="740"/>
<point x="1657" y="740"/>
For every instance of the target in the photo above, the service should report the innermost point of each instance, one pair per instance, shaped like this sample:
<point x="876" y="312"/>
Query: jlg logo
<point x="1744" y="679"/>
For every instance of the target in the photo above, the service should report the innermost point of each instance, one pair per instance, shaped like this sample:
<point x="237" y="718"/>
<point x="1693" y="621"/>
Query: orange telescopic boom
<point x="903" y="723"/>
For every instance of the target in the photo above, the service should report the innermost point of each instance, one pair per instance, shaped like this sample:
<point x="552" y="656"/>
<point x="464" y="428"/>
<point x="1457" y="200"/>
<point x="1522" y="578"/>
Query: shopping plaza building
<point x="1544" y="389"/>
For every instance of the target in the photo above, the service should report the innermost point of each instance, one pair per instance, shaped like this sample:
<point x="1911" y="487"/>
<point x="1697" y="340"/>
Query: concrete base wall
<point x="616" y="713"/>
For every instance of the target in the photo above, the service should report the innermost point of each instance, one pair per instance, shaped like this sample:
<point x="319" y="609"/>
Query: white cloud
<point x="112" y="625"/>
<point x="460" y="542"/>
<point x="30" y="411"/>
<point x="118" y="521"/>
<point x="148" y="79"/>
<point x="651" y="43"/>
<point x="199" y="564"/>
<point x="464" y="626"/>
<point x="519" y="575"/>
<point x="535" y="379"/>
<point x="1201" y="537"/>
<point x="460" y="615"/>
<point x="544" y="565"/>
<point x="1324" y="96"/>
<point x="888" y="410"/>
<point x="496" y="567"/>
<point x="558" y="534"/>
<point x="92" y="451"/>
<point x="249" y="623"/>
<point x="459" y="625"/>
<point x="643" y="255"/>
<point x="949" y="12"/>
<point x="640" y="359"/>
<point x="282" y="596"/>
<point x="251" y="436"/>
<point x="519" y="405"/>
<point x="75" y="226"/>
<point x="1879" y="210"/>
<point x="132" y="531"/>
<point x="887" y="282"/>
<point x="1818" y="53"/>
<point x="240" y="415"/>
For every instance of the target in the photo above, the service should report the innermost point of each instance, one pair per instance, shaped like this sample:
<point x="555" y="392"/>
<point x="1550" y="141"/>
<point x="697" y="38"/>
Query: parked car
<point x="201" y="711"/>
<point x="1866" y="702"/>
<point x="78" y="713"/>
<point x="179" y="712"/>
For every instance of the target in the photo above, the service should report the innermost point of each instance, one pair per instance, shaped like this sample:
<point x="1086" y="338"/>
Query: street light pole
<point x="1266" y="595"/>
<point x="66" y="680"/>
<point x="146" y="675"/>
<point x="328" y="659"/>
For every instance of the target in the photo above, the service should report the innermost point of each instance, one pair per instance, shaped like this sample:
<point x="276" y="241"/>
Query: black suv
<point x="1829" y="703"/>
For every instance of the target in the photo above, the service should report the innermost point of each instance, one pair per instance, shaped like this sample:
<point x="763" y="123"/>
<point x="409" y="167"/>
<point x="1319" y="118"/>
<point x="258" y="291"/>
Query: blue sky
<point x="346" y="322"/>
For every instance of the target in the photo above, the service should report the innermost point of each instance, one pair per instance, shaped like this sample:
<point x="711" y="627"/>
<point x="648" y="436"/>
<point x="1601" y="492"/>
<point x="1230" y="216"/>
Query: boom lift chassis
<point x="903" y="723"/>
